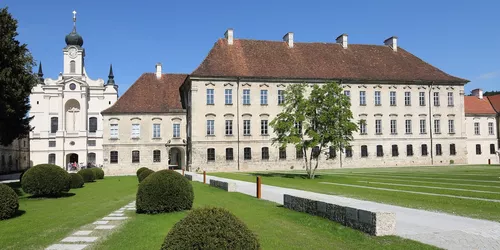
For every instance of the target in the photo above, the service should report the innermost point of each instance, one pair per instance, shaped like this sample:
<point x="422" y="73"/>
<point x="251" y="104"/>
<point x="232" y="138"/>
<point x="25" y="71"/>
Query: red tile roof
<point x="273" y="59"/>
<point x="151" y="95"/>
<point x="495" y="102"/>
<point x="474" y="105"/>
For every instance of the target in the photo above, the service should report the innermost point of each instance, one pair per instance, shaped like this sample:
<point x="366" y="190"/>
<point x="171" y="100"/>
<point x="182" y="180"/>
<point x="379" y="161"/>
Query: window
<point x="247" y="153"/>
<point x="246" y="127"/>
<point x="229" y="154"/>
<point x="92" y="124"/>
<point x="136" y="156"/>
<point x="362" y="98"/>
<point x="282" y="153"/>
<point x="332" y="153"/>
<point x="421" y="98"/>
<point x="72" y="67"/>
<point x="298" y="127"/>
<point x="228" y="96"/>
<point x="299" y="154"/>
<point x="395" y="151"/>
<point x="52" y="159"/>
<point x="451" y="126"/>
<point x="177" y="130"/>
<point x="263" y="127"/>
<point x="423" y="129"/>
<point x="246" y="97"/>
<point x="210" y="96"/>
<point x="362" y="127"/>
<point x="348" y="152"/>
<point x="424" y="150"/>
<point x="436" y="98"/>
<point x="136" y="130"/>
<point x="453" y="150"/>
<point x="210" y="127"/>
<point x="409" y="150"/>
<point x="52" y="144"/>
<point x="437" y="126"/>
<point x="392" y="98"/>
<point x="450" y="99"/>
<point x="91" y="143"/>
<point x="113" y="157"/>
<point x="347" y="93"/>
<point x="315" y="152"/>
<point x="408" y="126"/>
<point x="364" y="151"/>
<point x="211" y="154"/>
<point x="438" y="149"/>
<point x="265" y="153"/>
<point x="263" y="97"/>
<point x="492" y="149"/>
<point x="477" y="130"/>
<point x="394" y="130"/>
<point x="491" y="130"/>
<point x="229" y="127"/>
<point x="281" y="97"/>
<point x="478" y="149"/>
<point x="380" y="151"/>
<point x="378" y="127"/>
<point x="113" y="131"/>
<point x="54" y="124"/>
<point x="377" y="98"/>
<point x="156" y="156"/>
<point x="156" y="130"/>
<point x="91" y="158"/>
<point x="407" y="98"/>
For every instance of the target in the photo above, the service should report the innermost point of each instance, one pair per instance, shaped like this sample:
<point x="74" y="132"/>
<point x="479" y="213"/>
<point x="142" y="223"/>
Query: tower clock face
<point x="72" y="53"/>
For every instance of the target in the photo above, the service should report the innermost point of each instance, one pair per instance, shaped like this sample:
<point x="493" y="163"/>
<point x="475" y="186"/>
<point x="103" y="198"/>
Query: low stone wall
<point x="189" y="177"/>
<point x="229" y="187"/>
<point x="370" y="222"/>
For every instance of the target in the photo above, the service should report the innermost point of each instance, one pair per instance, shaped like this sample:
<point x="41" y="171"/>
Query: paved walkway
<point x="438" y="229"/>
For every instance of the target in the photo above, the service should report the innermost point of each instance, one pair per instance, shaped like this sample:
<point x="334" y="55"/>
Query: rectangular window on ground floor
<point x="136" y="156"/>
<point x="282" y="153"/>
<point x="364" y="151"/>
<point x="265" y="153"/>
<point x="332" y="153"/>
<point x="113" y="157"/>
<point x="247" y="153"/>
<point x="348" y="152"/>
<point x="492" y="149"/>
<point x="299" y="154"/>
<point x="315" y="152"/>
<point x="156" y="156"/>
<point x="380" y="151"/>
<point x="453" y="150"/>
<point x="229" y="154"/>
<point x="423" y="149"/>
<point x="211" y="154"/>
<point x="409" y="150"/>
<point x="439" y="150"/>
<point x="395" y="151"/>
<point x="478" y="149"/>
<point x="52" y="159"/>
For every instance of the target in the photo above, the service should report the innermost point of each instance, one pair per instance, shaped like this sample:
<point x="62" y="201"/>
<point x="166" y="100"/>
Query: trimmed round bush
<point x="99" y="173"/>
<point x="210" y="228"/>
<point x="139" y="171"/>
<point x="87" y="174"/>
<point x="9" y="202"/>
<point x="164" y="191"/>
<point x="145" y="173"/>
<point x="76" y="180"/>
<point x="46" y="180"/>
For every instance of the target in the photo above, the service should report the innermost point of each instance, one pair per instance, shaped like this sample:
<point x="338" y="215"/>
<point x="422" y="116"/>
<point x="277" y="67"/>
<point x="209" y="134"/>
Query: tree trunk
<point x="340" y="157"/>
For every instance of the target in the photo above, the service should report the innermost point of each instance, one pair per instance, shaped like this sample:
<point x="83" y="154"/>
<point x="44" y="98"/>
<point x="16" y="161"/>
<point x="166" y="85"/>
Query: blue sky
<point x="460" y="37"/>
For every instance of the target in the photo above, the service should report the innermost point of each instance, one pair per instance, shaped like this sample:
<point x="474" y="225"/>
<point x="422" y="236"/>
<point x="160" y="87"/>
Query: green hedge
<point x="164" y="191"/>
<point x="87" y="174"/>
<point x="76" y="180"/>
<point x="210" y="228"/>
<point x="145" y="173"/>
<point x="99" y="173"/>
<point x="139" y="171"/>
<point x="46" y="180"/>
<point x="9" y="202"/>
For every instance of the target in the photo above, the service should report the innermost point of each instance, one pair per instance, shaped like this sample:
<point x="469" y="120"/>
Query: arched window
<point x="72" y="67"/>
<point x="91" y="158"/>
<point x="52" y="158"/>
<point x="92" y="124"/>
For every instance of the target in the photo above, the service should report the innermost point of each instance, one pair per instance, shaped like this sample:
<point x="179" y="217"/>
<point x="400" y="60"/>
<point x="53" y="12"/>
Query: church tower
<point x="74" y="53"/>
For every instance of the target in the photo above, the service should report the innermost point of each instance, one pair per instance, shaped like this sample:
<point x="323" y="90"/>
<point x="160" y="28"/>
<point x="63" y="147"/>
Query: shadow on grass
<point x="284" y="175"/>
<point x="62" y="195"/>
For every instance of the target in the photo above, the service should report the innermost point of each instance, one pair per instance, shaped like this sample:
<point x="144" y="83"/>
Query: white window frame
<point x="437" y="126"/>
<point x="394" y="127"/>
<point x="477" y="128"/>
<point x="264" y="127"/>
<point x="210" y="127"/>
<point x="347" y="93"/>
<point x="263" y="97"/>
<point x="407" y="98"/>
<point x="362" y="127"/>
<point x="378" y="100"/>
<point x="229" y="127"/>
<point x="392" y="98"/>
<point x="378" y="127"/>
<point x="421" y="98"/>
<point x="176" y="127"/>
<point x="113" y="131"/>
<point x="423" y="126"/>
<point x="491" y="128"/>
<point x="362" y="98"/>
<point x="451" y="126"/>
<point x="228" y="96"/>
<point x="246" y="97"/>
<point x="136" y="130"/>
<point x="436" y="99"/>
<point x="451" y="101"/>
<point x="156" y="130"/>
<point x="408" y="127"/>
<point x="210" y="96"/>
<point x="281" y="96"/>
<point x="246" y="127"/>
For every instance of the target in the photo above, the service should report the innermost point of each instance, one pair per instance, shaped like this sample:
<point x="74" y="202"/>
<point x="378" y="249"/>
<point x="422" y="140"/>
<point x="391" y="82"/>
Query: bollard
<point x="489" y="161"/>
<point x="259" y="184"/>
<point x="204" y="177"/>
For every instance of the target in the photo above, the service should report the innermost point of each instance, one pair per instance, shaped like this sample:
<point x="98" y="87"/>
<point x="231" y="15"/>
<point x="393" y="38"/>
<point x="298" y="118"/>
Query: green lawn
<point x="463" y="181"/>
<point x="276" y="227"/>
<point x="46" y="221"/>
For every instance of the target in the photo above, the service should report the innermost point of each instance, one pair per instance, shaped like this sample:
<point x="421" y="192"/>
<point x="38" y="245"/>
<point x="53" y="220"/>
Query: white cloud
<point x="489" y="75"/>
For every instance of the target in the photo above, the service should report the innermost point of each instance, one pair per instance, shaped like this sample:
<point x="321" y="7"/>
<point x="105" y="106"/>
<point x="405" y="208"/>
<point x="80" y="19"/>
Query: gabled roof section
<point x="151" y="95"/>
<point x="274" y="59"/>
<point x="475" y="106"/>
<point x="495" y="102"/>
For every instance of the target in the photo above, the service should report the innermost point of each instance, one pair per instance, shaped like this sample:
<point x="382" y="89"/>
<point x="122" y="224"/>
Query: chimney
<point x="288" y="38"/>
<point x="229" y="36"/>
<point x="158" y="71"/>
<point x="392" y="42"/>
<point x="478" y="93"/>
<point x="342" y="40"/>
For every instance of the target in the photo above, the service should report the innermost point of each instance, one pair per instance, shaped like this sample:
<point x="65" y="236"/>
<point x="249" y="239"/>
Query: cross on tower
<point x="74" y="17"/>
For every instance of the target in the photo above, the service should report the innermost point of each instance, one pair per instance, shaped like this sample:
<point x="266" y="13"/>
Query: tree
<point x="314" y="123"/>
<point x="16" y="81"/>
<point x="490" y="93"/>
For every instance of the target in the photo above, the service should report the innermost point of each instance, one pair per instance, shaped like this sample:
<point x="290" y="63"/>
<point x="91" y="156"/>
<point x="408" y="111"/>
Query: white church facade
<point x="67" y="124"/>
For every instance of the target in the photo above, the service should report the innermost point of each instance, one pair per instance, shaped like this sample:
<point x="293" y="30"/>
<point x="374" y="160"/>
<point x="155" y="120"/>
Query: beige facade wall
<point x="255" y="112"/>
<point x="482" y="146"/>
<point x="15" y="157"/>
<point x="146" y="143"/>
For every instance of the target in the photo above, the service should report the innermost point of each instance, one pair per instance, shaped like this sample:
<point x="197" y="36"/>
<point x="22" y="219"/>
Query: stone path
<point x="89" y="234"/>
<point x="438" y="229"/>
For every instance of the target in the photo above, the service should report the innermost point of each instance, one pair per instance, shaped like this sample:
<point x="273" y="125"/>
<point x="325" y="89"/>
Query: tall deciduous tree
<point x="16" y="81"/>
<point x="314" y="119"/>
